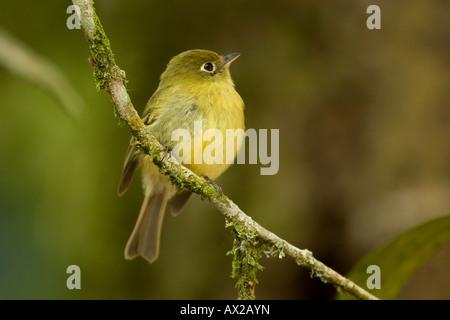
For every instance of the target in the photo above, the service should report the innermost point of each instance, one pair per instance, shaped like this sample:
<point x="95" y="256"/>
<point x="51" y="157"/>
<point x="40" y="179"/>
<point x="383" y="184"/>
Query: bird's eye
<point x="209" y="67"/>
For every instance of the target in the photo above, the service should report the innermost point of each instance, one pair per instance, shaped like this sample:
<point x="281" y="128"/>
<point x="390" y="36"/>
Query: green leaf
<point x="401" y="258"/>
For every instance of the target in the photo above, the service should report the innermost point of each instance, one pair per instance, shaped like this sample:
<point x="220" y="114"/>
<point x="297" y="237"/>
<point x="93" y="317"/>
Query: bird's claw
<point x="215" y="185"/>
<point x="166" y="152"/>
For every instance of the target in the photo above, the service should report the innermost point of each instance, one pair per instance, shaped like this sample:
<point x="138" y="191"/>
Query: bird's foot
<point x="215" y="185"/>
<point x="167" y="152"/>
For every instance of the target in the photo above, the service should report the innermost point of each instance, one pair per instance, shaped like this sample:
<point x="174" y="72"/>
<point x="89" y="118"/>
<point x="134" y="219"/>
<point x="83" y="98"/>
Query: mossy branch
<point x="251" y="239"/>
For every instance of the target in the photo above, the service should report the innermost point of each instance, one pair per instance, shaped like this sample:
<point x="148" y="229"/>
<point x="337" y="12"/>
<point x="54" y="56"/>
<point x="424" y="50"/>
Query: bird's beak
<point x="229" y="58"/>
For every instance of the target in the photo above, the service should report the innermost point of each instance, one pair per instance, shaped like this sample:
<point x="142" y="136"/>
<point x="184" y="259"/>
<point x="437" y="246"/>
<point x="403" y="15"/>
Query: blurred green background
<point x="364" y="120"/>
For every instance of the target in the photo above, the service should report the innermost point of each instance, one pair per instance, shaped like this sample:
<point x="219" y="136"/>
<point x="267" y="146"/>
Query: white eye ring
<point x="208" y="67"/>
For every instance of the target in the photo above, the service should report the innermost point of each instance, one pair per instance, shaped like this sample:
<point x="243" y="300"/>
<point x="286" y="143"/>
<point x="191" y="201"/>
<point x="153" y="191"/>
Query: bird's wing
<point x="133" y="154"/>
<point x="130" y="164"/>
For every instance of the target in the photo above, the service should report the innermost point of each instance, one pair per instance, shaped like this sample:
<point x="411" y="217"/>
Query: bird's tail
<point x="144" y="240"/>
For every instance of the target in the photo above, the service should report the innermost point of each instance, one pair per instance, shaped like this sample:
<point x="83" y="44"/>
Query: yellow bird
<point x="196" y="88"/>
